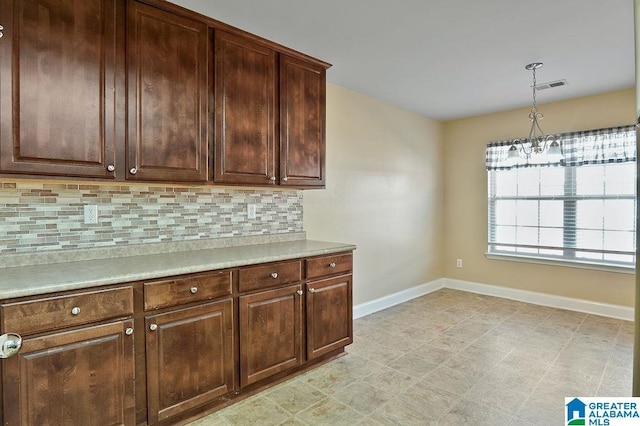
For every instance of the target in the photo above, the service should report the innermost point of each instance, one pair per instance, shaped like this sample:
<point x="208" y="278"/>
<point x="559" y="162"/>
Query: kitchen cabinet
<point x="270" y="333"/>
<point x="167" y="57"/>
<point x="190" y="347"/>
<point x="60" y="87"/>
<point x="270" y="320"/>
<point x="302" y="122"/>
<point x="144" y="90"/>
<point x="189" y="358"/>
<point x="201" y="341"/>
<point x="246" y="111"/>
<point x="329" y="310"/>
<point x="70" y="375"/>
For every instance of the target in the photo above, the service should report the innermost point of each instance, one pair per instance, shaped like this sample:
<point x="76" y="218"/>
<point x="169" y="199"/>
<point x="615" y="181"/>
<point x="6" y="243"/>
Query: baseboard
<point x="385" y="302"/>
<point x="543" y="299"/>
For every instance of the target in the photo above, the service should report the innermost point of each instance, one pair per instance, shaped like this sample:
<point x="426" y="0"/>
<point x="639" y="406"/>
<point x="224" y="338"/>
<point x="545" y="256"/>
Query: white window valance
<point x="599" y="146"/>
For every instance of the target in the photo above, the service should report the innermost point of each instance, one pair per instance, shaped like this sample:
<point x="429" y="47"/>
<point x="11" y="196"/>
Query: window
<point x="579" y="210"/>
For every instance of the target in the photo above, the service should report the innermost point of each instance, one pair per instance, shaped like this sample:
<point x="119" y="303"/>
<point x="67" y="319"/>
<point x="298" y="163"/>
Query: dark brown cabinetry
<point x="329" y="304"/>
<point x="59" y="85"/>
<point x="72" y="375"/>
<point x="189" y="358"/>
<point x="145" y="90"/>
<point x="209" y="338"/>
<point x="245" y="117"/>
<point x="302" y="122"/>
<point x="270" y="333"/>
<point x="167" y="100"/>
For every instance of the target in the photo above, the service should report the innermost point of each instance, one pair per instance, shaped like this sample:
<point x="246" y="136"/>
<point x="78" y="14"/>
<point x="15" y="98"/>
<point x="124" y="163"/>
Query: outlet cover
<point x="251" y="211"/>
<point x="90" y="214"/>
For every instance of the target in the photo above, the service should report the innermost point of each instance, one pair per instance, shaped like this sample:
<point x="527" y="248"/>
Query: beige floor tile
<point x="450" y="380"/>
<point x="413" y="366"/>
<point x="390" y="380"/>
<point x="295" y="396"/>
<point x="362" y="397"/>
<point x="432" y="354"/>
<point x="436" y="402"/>
<point x="330" y="412"/>
<point x="255" y="411"/>
<point x="468" y="412"/>
<point x="400" y="411"/>
<point x="211" y="420"/>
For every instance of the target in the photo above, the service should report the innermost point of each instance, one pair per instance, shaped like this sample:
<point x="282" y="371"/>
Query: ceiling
<point x="449" y="59"/>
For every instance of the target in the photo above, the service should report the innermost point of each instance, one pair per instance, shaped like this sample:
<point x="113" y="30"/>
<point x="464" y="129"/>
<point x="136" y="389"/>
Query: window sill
<point x="565" y="263"/>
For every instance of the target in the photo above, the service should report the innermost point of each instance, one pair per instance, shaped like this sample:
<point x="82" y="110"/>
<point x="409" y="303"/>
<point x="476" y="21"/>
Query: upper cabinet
<point x="167" y="98"/>
<point x="58" y="78"/>
<point x="302" y="122"/>
<point x="245" y="117"/>
<point x="149" y="91"/>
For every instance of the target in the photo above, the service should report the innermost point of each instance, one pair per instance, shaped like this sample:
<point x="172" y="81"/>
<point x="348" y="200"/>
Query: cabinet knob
<point x="274" y="275"/>
<point x="332" y="265"/>
<point x="75" y="310"/>
<point x="133" y="171"/>
<point x="193" y="290"/>
<point x="285" y="179"/>
<point x="111" y="168"/>
<point x="312" y="290"/>
<point x="272" y="178"/>
<point x="128" y="331"/>
<point x="10" y="344"/>
<point x="299" y="292"/>
<point x="153" y="327"/>
<point x="1" y="28"/>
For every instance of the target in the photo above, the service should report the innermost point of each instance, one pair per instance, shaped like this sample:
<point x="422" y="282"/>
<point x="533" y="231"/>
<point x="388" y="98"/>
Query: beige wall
<point x="465" y="199"/>
<point x="384" y="193"/>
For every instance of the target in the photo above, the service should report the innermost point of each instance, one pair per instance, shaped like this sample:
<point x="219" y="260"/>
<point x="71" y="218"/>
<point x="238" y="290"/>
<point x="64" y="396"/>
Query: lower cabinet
<point x="189" y="358"/>
<point x="78" y="377"/>
<point x="202" y="341"/>
<point x="270" y="332"/>
<point x="329" y="313"/>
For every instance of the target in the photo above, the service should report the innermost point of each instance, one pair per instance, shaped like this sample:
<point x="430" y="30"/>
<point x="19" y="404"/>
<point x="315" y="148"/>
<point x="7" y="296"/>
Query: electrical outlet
<point x="251" y="211"/>
<point x="458" y="263"/>
<point x="90" y="214"/>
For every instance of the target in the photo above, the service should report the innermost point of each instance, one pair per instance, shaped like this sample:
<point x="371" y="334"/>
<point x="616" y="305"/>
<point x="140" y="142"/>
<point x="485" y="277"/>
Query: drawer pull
<point x="312" y="290"/>
<point x="153" y="327"/>
<point x="299" y="292"/>
<point x="332" y="265"/>
<point x="274" y="275"/>
<point x="111" y="168"/>
<point x="75" y="310"/>
<point x="128" y="331"/>
<point x="10" y="344"/>
<point x="193" y="290"/>
<point x="133" y="171"/>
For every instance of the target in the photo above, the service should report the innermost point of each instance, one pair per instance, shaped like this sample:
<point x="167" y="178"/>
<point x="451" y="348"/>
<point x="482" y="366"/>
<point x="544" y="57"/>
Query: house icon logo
<point x="576" y="412"/>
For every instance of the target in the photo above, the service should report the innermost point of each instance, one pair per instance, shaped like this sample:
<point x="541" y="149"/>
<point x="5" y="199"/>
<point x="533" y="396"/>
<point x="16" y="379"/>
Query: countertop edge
<point x="81" y="275"/>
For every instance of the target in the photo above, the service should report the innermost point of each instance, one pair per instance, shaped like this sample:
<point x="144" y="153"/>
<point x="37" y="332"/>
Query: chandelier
<point x="537" y="142"/>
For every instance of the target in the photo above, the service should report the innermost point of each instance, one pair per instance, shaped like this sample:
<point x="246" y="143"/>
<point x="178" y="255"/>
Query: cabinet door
<point x="189" y="358"/>
<point x="302" y="123"/>
<point x="270" y="333"/>
<point x="167" y="99"/>
<point x="79" y="377"/>
<point x="58" y="83"/>
<point x="245" y="115"/>
<point x="329" y="315"/>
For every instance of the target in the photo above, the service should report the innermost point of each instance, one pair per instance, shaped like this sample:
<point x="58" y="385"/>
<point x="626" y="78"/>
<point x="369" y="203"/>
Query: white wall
<point x="384" y="193"/>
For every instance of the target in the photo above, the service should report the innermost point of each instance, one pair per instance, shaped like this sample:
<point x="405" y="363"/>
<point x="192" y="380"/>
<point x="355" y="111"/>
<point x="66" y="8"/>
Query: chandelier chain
<point x="534" y="89"/>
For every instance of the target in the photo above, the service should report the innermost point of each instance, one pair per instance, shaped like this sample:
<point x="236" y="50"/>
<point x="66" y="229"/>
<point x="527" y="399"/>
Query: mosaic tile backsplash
<point x="36" y="217"/>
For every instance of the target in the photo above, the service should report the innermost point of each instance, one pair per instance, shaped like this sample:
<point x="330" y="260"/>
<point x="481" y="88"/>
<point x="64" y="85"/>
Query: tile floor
<point x="453" y="358"/>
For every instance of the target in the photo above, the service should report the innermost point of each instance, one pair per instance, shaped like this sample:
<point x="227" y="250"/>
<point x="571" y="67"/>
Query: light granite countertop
<point x="20" y="281"/>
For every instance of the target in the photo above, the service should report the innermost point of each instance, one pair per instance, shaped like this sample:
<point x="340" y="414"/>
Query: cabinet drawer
<point x="329" y="265"/>
<point x="265" y="276"/>
<point x="187" y="289"/>
<point x="50" y="313"/>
